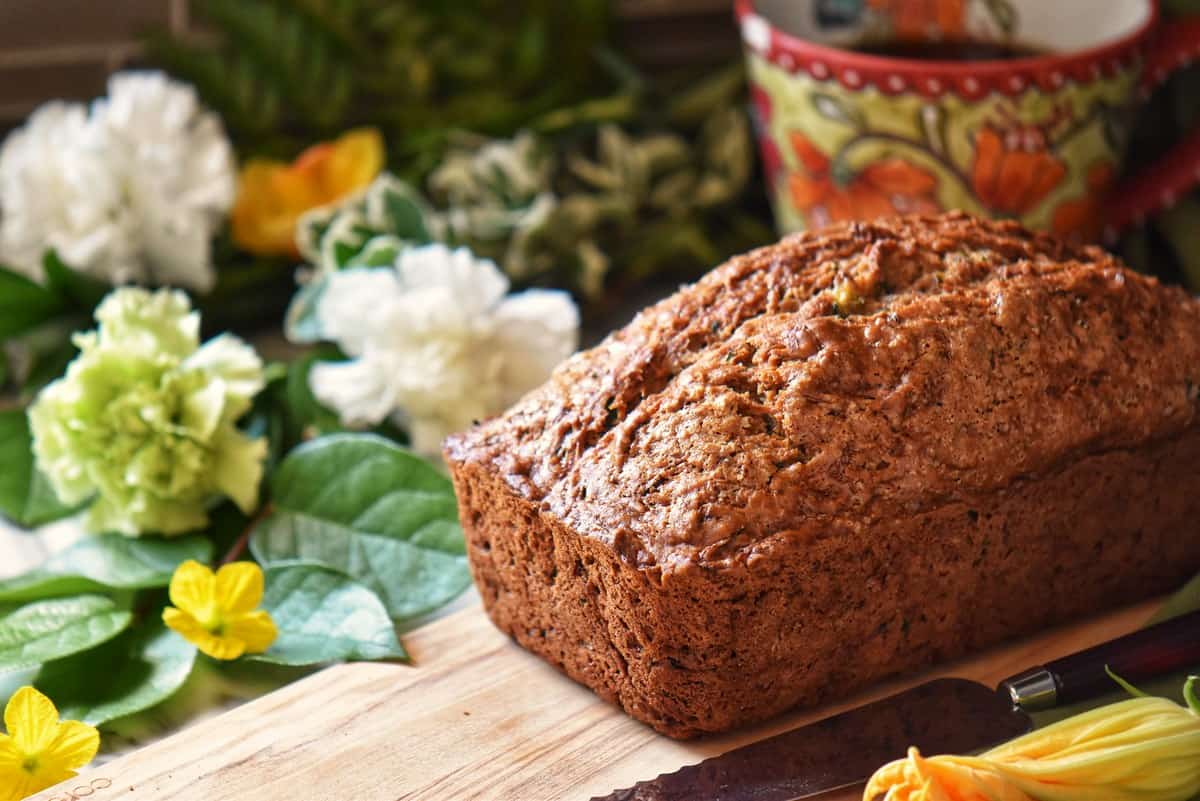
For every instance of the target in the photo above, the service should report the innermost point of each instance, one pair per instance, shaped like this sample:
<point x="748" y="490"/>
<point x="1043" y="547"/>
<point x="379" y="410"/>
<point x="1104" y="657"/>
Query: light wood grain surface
<point x="475" y="717"/>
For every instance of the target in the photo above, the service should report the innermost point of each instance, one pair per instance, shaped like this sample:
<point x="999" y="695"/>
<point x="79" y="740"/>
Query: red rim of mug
<point x="898" y="75"/>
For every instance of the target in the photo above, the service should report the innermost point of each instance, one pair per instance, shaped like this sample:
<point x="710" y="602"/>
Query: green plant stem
<point x="239" y="545"/>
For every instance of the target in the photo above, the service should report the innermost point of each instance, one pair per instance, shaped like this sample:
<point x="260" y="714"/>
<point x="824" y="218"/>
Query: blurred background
<point x="283" y="74"/>
<point x="66" y="48"/>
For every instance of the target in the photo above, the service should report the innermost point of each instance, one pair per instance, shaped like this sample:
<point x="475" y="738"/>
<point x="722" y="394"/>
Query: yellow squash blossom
<point x="272" y="195"/>
<point x="39" y="751"/>
<point x="216" y="612"/>
<point x="1143" y="749"/>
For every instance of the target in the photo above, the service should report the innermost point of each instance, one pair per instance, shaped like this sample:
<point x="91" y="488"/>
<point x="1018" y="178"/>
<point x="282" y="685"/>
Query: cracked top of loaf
<point x="845" y="376"/>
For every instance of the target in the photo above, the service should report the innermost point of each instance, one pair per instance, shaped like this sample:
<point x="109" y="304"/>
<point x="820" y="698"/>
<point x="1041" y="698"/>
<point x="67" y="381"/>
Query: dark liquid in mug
<point x="950" y="50"/>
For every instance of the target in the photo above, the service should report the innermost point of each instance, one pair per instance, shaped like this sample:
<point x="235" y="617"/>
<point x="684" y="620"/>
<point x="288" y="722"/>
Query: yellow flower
<point x="1144" y="749"/>
<point x="39" y="751"/>
<point x="272" y="195"/>
<point x="216" y="612"/>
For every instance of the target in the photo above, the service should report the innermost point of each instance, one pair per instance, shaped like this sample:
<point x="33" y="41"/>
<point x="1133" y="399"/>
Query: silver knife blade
<point x="941" y="716"/>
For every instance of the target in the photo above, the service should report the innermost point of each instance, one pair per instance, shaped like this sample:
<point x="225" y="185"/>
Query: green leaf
<point x="344" y="238"/>
<point x="82" y="290"/>
<point x="368" y="483"/>
<point x="380" y="251"/>
<point x="45" y="630"/>
<point x="1187" y="599"/>
<point x="325" y="616"/>
<point x="47" y="364"/>
<point x="106" y="561"/>
<point x="24" y="304"/>
<point x="140" y="668"/>
<point x="394" y="207"/>
<point x="26" y="496"/>
<point x="411" y="580"/>
<point x="305" y="413"/>
<point x="364" y="506"/>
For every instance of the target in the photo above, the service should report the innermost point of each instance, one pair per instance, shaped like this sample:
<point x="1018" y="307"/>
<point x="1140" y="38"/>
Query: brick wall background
<point x="66" y="48"/>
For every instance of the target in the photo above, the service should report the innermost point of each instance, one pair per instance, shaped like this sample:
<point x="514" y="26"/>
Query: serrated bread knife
<point x="944" y="716"/>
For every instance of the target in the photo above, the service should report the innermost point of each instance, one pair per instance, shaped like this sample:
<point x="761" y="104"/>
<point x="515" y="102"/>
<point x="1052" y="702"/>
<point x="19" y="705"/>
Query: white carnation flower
<point x="436" y="343"/>
<point x="132" y="193"/>
<point x="54" y="192"/>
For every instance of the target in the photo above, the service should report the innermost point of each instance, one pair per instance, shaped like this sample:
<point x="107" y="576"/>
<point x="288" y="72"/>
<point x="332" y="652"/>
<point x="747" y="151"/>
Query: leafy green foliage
<point x="139" y="669"/>
<point x="285" y="73"/>
<point x="40" y="317"/>
<point x="76" y="288"/>
<point x="367" y="508"/>
<point x="325" y="616"/>
<point x="24" y="304"/>
<point x="369" y="231"/>
<point x="106" y="561"/>
<point x="306" y="416"/>
<point x="26" y="496"/>
<point x="48" y="360"/>
<point x="43" y="630"/>
<point x="286" y="411"/>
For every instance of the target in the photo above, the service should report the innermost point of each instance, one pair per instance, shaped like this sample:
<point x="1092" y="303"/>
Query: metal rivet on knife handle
<point x="1032" y="691"/>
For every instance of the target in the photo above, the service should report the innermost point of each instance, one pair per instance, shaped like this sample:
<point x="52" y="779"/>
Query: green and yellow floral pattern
<point x="1047" y="158"/>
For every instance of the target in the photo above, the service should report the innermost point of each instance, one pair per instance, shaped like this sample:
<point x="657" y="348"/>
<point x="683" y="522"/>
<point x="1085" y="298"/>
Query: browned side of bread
<point x="841" y="457"/>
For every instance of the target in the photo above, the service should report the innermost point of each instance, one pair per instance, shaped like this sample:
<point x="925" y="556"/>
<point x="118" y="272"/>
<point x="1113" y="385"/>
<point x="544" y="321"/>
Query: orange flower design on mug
<point x="882" y="188"/>
<point x="1015" y="165"/>
<point x="1080" y="220"/>
<point x="917" y="19"/>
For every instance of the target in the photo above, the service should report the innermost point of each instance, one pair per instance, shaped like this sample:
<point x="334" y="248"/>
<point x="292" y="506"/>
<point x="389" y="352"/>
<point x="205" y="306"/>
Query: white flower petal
<point x="233" y="361"/>
<point x="45" y="169"/>
<point x="132" y="193"/>
<point x="357" y="390"/>
<point x="355" y="307"/>
<point x="534" y="330"/>
<point x="435" y="344"/>
<point x="476" y="284"/>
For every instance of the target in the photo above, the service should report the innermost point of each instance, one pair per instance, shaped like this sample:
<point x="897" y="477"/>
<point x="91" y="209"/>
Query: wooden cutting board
<point x="475" y="717"/>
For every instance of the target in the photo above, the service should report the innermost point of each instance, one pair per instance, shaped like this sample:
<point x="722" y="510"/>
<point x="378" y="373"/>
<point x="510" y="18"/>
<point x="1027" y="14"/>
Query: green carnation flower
<point x="144" y="418"/>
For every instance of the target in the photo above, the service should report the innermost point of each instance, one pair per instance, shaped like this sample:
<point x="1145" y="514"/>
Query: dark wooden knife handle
<point x="1168" y="646"/>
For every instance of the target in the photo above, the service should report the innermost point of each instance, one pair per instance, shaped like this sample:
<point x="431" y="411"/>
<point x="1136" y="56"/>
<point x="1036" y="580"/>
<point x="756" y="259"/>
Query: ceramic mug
<point x="1041" y="139"/>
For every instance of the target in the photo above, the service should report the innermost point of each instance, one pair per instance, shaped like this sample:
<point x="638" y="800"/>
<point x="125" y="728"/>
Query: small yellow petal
<point x="216" y="646"/>
<point x="183" y="624"/>
<point x="272" y="195"/>
<point x="19" y="785"/>
<point x="256" y="629"/>
<point x="10" y="757"/>
<point x="224" y="648"/>
<point x="193" y="588"/>
<point x="16" y="782"/>
<point x="239" y="587"/>
<point x="74" y="745"/>
<point x="356" y="159"/>
<point x="31" y="720"/>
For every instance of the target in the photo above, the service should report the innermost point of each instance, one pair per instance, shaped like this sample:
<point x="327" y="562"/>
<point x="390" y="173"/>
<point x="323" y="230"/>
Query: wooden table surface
<point x="473" y="719"/>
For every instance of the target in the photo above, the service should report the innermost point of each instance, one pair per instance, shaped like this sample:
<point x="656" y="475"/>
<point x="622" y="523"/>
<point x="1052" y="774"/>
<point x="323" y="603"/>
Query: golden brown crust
<point x="686" y="504"/>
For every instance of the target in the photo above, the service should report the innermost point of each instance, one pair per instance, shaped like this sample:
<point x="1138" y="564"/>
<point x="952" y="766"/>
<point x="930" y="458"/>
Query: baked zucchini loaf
<point x="850" y="454"/>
